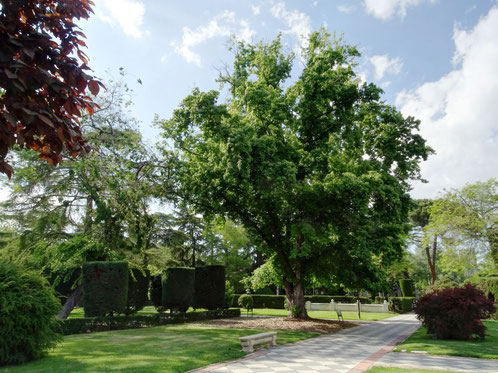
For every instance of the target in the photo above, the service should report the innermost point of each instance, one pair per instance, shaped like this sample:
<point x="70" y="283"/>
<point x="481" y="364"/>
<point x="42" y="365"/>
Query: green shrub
<point x="379" y="299"/>
<point x="210" y="287"/>
<point x="246" y="301"/>
<point x="103" y="324"/>
<point x="105" y="288"/>
<point x="28" y="307"/>
<point x="229" y="294"/>
<point x="178" y="288"/>
<point x="138" y="287"/>
<point x="401" y="304"/>
<point x="406" y="286"/>
<point x="488" y="285"/>
<point x="156" y="292"/>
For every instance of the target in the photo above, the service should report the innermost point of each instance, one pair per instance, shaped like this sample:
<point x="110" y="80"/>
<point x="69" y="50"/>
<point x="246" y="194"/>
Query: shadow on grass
<point x="176" y="348"/>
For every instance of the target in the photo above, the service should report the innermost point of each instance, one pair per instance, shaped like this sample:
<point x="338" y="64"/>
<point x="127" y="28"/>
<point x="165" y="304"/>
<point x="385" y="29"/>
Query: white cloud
<point x="299" y="23"/>
<point x="386" y="9"/>
<point x="128" y="14"/>
<point x="255" y="10"/>
<point x="346" y="8"/>
<point x="384" y="65"/>
<point x="224" y="24"/>
<point x="315" y="3"/>
<point x="459" y="111"/>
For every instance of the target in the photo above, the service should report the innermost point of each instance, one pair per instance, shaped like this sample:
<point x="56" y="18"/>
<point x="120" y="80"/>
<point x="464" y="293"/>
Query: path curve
<point x="351" y="350"/>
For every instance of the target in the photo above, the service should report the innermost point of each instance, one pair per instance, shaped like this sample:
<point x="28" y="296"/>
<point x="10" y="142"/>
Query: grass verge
<point x="366" y="316"/>
<point x="176" y="348"/>
<point x="484" y="349"/>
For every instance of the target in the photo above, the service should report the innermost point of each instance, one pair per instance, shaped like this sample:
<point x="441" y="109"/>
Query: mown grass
<point x="404" y="370"/>
<point x="485" y="349"/>
<point x="176" y="348"/>
<point x="366" y="316"/>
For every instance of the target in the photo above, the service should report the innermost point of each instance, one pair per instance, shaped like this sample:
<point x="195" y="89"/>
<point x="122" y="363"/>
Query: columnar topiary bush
<point x="455" y="313"/>
<point x="210" y="287"/>
<point x="406" y="286"/>
<point x="156" y="292"/>
<point x="138" y="287"/>
<point x="28" y="308"/>
<point x="105" y="288"/>
<point x="178" y="288"/>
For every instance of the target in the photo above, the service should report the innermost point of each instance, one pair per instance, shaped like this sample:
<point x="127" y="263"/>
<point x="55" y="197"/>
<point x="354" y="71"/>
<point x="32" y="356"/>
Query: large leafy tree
<point x="467" y="221"/>
<point x="317" y="169"/>
<point x="43" y="78"/>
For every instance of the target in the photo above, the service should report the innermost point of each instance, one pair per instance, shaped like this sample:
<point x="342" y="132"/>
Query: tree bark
<point x="432" y="261"/>
<point x="72" y="301"/>
<point x="295" y="298"/>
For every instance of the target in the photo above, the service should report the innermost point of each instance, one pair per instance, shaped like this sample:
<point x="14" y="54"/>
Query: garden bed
<point x="281" y="323"/>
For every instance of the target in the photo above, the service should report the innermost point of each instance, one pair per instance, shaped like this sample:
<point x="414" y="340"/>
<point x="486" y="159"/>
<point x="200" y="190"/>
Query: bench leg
<point x="249" y="347"/>
<point x="273" y="341"/>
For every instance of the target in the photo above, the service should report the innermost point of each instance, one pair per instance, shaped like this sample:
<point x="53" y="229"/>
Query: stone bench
<point x="255" y="339"/>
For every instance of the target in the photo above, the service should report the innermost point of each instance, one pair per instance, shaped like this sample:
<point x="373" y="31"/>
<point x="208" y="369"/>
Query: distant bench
<point x="255" y="339"/>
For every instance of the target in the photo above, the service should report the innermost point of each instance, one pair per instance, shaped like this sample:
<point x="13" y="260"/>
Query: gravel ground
<point x="281" y="323"/>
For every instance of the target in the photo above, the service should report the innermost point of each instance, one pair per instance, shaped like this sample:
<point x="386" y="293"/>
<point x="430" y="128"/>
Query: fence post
<point x="386" y="307"/>
<point x="332" y="305"/>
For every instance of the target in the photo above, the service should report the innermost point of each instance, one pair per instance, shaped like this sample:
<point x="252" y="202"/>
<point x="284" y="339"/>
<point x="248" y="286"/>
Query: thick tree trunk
<point x="72" y="301"/>
<point x="295" y="298"/>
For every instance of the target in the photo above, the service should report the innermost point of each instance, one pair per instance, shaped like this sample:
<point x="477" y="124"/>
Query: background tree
<point x="317" y="169"/>
<point x="94" y="207"/>
<point x="419" y="217"/>
<point x="42" y="86"/>
<point x="467" y="221"/>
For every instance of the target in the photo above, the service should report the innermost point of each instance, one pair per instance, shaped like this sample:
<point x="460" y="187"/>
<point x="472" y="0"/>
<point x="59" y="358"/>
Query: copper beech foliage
<point x="44" y="82"/>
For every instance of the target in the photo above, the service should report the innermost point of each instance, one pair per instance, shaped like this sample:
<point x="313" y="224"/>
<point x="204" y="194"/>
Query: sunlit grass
<point x="175" y="348"/>
<point x="366" y="316"/>
<point x="486" y="348"/>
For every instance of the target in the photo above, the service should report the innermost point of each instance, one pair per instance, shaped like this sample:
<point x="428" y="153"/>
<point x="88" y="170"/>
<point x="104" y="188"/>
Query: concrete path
<point x="351" y="350"/>
<point x="454" y="363"/>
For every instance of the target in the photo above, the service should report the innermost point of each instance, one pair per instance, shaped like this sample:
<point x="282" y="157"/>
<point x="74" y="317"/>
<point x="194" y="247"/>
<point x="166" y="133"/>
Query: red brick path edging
<point x="369" y="361"/>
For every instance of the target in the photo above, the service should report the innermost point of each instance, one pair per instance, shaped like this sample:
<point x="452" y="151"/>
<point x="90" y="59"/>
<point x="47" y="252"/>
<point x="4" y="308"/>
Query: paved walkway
<point x="351" y="350"/>
<point x="453" y="363"/>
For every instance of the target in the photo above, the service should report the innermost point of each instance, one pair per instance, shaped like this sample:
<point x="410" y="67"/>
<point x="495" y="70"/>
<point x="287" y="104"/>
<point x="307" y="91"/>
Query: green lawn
<point x="367" y="316"/>
<point x="370" y="316"/>
<point x="404" y="370"/>
<point x="486" y="349"/>
<point x="176" y="348"/>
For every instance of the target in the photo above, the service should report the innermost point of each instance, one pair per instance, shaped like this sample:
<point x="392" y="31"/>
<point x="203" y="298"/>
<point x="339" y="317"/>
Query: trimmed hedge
<point x="138" y="287"/>
<point x="406" y="286"/>
<point x="246" y="302"/>
<point x="104" y="324"/>
<point x="401" y="304"/>
<point x="28" y="308"/>
<point x="278" y="301"/>
<point x="178" y="288"/>
<point x="156" y="292"/>
<point x="210" y="287"/>
<point x="105" y="288"/>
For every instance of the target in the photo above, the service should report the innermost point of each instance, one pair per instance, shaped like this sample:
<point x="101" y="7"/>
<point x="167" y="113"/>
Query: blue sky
<point x="435" y="59"/>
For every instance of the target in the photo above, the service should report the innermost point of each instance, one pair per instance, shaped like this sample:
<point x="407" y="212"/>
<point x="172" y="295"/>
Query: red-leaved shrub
<point x="455" y="313"/>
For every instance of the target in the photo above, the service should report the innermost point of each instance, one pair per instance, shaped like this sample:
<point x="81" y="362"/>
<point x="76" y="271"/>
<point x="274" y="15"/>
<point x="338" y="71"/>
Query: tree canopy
<point x="316" y="168"/>
<point x="43" y="86"/>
